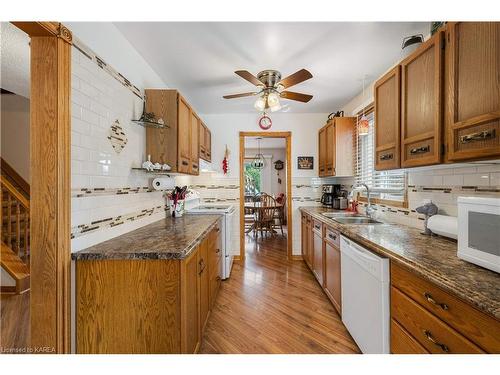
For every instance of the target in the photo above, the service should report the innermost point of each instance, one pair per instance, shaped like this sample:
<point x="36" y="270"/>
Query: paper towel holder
<point x="428" y="209"/>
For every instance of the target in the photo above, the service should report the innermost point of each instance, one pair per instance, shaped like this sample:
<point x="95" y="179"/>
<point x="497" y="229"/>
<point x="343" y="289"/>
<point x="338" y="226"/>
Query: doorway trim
<point x="288" y="138"/>
<point x="50" y="200"/>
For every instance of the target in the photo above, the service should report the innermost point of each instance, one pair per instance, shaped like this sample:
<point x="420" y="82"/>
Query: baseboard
<point x="297" y="257"/>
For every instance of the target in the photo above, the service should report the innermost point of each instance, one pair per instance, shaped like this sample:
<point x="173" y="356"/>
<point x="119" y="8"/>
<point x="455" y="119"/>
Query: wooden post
<point x="50" y="132"/>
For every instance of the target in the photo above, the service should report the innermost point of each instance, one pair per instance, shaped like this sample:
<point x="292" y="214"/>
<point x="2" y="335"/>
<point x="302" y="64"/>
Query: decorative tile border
<point x="454" y="189"/>
<point x="92" y="192"/>
<point x="87" y="52"/>
<point x="225" y="187"/>
<point x="111" y="222"/>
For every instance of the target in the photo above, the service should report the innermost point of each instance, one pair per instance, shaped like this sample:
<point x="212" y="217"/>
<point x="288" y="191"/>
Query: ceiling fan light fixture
<point x="260" y="104"/>
<point x="276" y="107"/>
<point x="273" y="99"/>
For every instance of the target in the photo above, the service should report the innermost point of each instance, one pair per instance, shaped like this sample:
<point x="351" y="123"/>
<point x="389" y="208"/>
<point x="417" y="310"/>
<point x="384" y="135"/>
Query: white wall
<point x="110" y="45"/>
<point x="15" y="120"/>
<point x="225" y="129"/>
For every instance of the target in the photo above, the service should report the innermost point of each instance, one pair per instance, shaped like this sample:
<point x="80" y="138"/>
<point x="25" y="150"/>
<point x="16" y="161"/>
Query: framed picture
<point x="305" y="162"/>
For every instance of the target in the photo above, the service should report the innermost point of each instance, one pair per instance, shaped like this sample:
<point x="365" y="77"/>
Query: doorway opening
<point x="265" y="187"/>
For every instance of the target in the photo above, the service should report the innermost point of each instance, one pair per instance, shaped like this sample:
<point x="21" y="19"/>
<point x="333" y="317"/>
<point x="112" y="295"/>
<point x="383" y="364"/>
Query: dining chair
<point x="279" y="214"/>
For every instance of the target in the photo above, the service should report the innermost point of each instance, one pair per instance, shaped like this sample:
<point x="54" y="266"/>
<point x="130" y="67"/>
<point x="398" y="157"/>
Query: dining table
<point x="257" y="207"/>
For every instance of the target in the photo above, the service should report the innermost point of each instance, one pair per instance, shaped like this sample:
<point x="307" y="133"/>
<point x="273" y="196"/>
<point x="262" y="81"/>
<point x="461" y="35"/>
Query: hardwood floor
<point x="14" y="322"/>
<point x="272" y="305"/>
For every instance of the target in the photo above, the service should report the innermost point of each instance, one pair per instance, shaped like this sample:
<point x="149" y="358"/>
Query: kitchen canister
<point x="177" y="209"/>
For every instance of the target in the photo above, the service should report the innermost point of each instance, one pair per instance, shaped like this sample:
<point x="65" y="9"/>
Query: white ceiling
<point x="14" y="60"/>
<point x="267" y="142"/>
<point x="199" y="58"/>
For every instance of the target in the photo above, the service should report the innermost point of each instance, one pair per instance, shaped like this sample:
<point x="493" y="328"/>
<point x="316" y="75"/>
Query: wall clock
<point x="265" y="122"/>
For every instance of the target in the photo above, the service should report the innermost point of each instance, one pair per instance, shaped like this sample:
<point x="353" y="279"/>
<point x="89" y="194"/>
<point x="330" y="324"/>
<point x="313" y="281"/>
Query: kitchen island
<point x="149" y="290"/>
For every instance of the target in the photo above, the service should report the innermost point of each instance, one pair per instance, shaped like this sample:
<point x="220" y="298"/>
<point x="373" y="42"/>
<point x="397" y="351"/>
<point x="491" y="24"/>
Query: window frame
<point x="370" y="108"/>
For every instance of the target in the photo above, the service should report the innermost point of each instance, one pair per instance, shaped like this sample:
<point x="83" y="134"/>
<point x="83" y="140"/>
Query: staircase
<point x="15" y="233"/>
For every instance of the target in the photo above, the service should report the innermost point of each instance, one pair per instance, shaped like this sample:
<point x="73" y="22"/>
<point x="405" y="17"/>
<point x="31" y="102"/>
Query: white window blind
<point x="389" y="185"/>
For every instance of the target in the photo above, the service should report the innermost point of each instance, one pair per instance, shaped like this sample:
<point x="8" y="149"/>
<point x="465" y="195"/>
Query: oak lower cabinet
<point x="178" y="143"/>
<point x="427" y="319"/>
<point x="317" y="251"/>
<point x="146" y="306"/>
<point x="421" y="109"/>
<point x="472" y="98"/>
<point x="336" y="147"/>
<point x="332" y="277"/>
<point x="388" y="120"/>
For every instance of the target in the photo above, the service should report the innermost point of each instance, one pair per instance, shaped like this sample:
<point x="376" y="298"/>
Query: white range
<point x="230" y="238"/>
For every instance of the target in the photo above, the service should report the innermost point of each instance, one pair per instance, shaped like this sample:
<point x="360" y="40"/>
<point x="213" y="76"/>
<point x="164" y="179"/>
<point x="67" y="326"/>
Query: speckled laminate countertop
<point x="168" y="238"/>
<point x="433" y="258"/>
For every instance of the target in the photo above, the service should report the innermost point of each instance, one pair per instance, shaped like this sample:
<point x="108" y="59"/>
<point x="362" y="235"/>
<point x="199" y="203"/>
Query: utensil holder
<point x="177" y="210"/>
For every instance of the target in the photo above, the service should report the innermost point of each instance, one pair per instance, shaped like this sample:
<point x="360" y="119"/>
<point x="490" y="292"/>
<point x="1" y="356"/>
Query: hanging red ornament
<point x="225" y="161"/>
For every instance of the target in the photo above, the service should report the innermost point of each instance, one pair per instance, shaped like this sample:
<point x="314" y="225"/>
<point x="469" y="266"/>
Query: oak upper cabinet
<point x="317" y="251"/>
<point x="472" y="95"/>
<point x="195" y="143"/>
<point x="177" y="144"/>
<point x="387" y="120"/>
<point x="332" y="267"/>
<point x="421" y="106"/>
<point x="208" y="144"/>
<point x="322" y="152"/>
<point x="205" y="142"/>
<point x="336" y="147"/>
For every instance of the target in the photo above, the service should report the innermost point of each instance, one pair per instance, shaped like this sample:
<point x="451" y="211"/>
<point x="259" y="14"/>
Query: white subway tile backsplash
<point x="495" y="179"/>
<point x="477" y="179"/>
<point x="453" y="180"/>
<point x="98" y="99"/>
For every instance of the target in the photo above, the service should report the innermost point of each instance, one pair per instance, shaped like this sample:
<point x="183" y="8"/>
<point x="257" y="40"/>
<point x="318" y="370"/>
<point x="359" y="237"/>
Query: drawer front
<point x="332" y="236"/>
<point x="318" y="227"/>
<point x="402" y="342"/>
<point x="432" y="333"/>
<point x="473" y="324"/>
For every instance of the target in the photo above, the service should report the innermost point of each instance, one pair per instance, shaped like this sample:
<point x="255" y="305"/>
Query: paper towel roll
<point x="443" y="225"/>
<point x="163" y="183"/>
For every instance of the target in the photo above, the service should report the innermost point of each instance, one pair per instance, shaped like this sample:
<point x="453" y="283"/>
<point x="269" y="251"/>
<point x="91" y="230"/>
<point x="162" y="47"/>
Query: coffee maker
<point x="330" y="193"/>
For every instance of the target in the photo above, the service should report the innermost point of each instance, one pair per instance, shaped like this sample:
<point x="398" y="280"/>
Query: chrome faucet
<point x="369" y="209"/>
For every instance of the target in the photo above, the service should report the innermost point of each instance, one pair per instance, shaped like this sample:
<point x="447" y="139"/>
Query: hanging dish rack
<point x="148" y="119"/>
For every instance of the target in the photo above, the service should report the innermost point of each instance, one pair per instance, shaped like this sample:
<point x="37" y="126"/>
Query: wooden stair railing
<point x="16" y="268"/>
<point x="15" y="220"/>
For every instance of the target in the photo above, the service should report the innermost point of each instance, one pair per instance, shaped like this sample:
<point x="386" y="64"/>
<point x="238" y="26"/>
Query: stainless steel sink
<point x="332" y="215"/>
<point x="356" y="220"/>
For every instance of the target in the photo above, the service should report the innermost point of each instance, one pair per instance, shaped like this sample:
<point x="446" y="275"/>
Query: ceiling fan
<point x="271" y="88"/>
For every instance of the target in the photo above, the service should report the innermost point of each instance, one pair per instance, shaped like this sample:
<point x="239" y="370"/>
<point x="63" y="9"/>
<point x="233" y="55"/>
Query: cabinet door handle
<point x="332" y="236"/>
<point x="386" y="156"/>
<point x="479" y="136"/>
<point x="217" y="251"/>
<point x="202" y="266"/>
<point x="184" y="162"/>
<point x="420" y="150"/>
<point x="429" y="299"/>
<point x="429" y="337"/>
<point x="317" y="226"/>
<point x="218" y="278"/>
<point x="195" y="166"/>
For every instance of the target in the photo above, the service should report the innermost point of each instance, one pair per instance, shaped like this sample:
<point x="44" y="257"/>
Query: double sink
<point x="350" y="218"/>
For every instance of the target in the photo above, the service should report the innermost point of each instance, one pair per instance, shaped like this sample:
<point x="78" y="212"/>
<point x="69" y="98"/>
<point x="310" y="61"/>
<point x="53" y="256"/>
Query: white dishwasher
<point x="365" y="296"/>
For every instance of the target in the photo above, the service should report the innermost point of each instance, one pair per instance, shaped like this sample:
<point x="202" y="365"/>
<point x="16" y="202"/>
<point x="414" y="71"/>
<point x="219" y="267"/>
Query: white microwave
<point x="479" y="231"/>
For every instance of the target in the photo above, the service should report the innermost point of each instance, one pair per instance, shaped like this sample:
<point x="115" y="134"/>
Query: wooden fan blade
<point x="296" y="96"/>
<point x="245" y="74"/>
<point x="297" y="77"/>
<point x="239" y="95"/>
